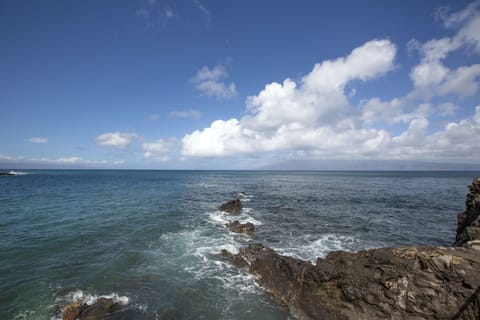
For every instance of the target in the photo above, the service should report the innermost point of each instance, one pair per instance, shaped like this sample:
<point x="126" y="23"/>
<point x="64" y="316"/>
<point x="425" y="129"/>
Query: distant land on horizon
<point x="292" y="165"/>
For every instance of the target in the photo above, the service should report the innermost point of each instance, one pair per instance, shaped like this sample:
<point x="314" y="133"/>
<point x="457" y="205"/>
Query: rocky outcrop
<point x="236" y="226"/>
<point x="83" y="311"/>
<point x="388" y="283"/>
<point x="6" y="174"/>
<point x="231" y="207"/>
<point x="468" y="228"/>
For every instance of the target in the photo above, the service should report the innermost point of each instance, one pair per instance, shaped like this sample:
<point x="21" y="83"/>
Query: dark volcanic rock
<point x="231" y="207"/>
<point x="388" y="283"/>
<point x="398" y="283"/>
<point x="468" y="228"/>
<point x="236" y="226"/>
<point x="101" y="309"/>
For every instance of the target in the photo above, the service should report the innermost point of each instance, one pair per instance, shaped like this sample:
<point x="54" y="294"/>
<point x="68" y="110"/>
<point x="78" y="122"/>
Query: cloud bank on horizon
<point x="315" y="119"/>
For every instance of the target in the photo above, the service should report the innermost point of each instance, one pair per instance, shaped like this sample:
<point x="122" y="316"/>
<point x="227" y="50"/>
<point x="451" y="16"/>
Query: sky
<point x="210" y="84"/>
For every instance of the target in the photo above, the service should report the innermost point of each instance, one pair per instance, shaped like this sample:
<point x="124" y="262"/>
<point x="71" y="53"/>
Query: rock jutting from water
<point x="232" y="206"/>
<point x="237" y="227"/>
<point x="411" y="282"/>
<point x="83" y="311"/>
<point x="468" y="228"/>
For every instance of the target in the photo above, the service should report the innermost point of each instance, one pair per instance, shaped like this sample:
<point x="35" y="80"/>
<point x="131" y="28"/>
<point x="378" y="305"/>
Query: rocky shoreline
<point x="412" y="282"/>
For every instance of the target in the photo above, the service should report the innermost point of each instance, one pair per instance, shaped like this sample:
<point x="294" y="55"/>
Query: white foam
<point x="220" y="218"/>
<point x="18" y="173"/>
<point x="201" y="248"/>
<point x="306" y="249"/>
<point x="90" y="299"/>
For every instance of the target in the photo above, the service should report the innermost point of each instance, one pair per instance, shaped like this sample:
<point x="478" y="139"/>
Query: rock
<point x="73" y="310"/>
<point x="6" y="174"/>
<point x="412" y="282"/>
<point x="102" y="308"/>
<point x="398" y="283"/>
<point x="231" y="207"/>
<point x="468" y="227"/>
<point x="236" y="226"/>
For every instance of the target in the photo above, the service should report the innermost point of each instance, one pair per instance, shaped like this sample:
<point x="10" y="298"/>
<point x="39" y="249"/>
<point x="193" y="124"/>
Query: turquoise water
<point x="150" y="239"/>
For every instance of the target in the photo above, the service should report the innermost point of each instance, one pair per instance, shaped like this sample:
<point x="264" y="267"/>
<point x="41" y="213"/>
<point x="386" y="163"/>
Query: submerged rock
<point x="236" y="226"/>
<point x="100" y="309"/>
<point x="232" y="206"/>
<point x="468" y="228"/>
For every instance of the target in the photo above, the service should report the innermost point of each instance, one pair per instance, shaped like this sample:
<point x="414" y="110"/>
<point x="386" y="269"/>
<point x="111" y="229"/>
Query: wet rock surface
<point x="231" y="207"/>
<point x="237" y="227"/>
<point x="468" y="228"/>
<point x="83" y="311"/>
<point x="412" y="282"/>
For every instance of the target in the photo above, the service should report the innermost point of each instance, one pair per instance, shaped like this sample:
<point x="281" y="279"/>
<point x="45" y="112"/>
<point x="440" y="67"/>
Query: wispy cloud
<point x="154" y="117"/>
<point x="64" y="162"/>
<point x="210" y="82"/>
<point x="38" y="140"/>
<point x="115" y="139"/>
<point x="207" y="14"/>
<point x="156" y="14"/>
<point x="191" y="113"/>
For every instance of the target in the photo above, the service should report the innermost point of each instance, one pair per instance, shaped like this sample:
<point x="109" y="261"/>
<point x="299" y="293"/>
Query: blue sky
<point x="237" y="84"/>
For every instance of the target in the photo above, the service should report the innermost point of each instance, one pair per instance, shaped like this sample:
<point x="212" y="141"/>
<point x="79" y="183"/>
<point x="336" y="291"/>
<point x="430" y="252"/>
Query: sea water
<point x="151" y="240"/>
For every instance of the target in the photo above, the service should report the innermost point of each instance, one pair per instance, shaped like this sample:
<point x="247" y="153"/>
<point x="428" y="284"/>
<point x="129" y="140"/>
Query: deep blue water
<point x="151" y="238"/>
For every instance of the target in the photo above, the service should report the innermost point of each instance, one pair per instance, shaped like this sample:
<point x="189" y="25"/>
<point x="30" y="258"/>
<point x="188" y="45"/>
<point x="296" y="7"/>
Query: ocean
<point x="151" y="239"/>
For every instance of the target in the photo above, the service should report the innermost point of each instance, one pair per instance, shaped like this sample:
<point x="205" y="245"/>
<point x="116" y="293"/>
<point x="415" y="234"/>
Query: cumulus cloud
<point x="115" y="139"/>
<point x="314" y="118"/>
<point x="210" y="82"/>
<point x="159" y="150"/>
<point x="313" y="114"/>
<point x="191" y="113"/>
<point x="431" y="77"/>
<point x="38" y="140"/>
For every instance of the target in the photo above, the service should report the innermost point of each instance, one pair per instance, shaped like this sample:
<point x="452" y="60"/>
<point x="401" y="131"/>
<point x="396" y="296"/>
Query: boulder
<point x="231" y="207"/>
<point x="236" y="226"/>
<point x="100" y="309"/>
<point x="468" y="227"/>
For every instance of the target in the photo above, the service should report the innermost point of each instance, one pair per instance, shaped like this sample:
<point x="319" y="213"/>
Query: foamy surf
<point x="307" y="249"/>
<point x="18" y="173"/>
<point x="90" y="299"/>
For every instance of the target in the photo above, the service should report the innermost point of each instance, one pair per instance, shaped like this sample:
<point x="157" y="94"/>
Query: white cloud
<point x="313" y="115"/>
<point x="210" y="82"/>
<point x="431" y="76"/>
<point x="314" y="118"/>
<point x="38" y="140"/>
<point x="158" y="150"/>
<point x="191" y="113"/>
<point x="115" y="139"/>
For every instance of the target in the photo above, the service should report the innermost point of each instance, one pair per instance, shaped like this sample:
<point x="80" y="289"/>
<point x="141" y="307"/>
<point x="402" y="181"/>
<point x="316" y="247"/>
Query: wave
<point x="18" y="173"/>
<point x="307" y="249"/>
<point x="90" y="299"/>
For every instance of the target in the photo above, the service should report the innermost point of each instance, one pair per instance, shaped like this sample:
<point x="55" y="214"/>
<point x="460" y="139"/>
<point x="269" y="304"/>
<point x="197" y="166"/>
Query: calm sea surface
<point x="150" y="239"/>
